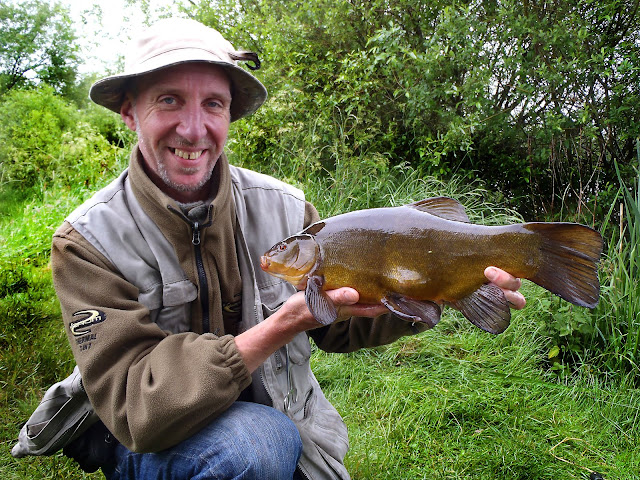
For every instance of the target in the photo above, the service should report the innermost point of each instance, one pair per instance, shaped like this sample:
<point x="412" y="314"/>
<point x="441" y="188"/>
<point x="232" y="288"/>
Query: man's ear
<point x="126" y="112"/>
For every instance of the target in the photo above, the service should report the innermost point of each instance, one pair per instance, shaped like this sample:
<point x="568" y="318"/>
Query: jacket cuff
<point x="234" y="361"/>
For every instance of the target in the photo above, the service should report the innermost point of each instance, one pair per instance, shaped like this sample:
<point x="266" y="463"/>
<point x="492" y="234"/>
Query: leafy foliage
<point x="45" y="141"/>
<point x="537" y="98"/>
<point x="37" y="46"/>
<point x="609" y="335"/>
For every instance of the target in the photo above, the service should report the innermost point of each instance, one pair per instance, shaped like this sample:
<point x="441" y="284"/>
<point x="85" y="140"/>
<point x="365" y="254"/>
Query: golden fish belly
<point x="439" y="264"/>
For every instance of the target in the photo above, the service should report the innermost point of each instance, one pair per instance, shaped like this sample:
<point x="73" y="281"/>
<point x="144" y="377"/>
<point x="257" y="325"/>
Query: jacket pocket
<point x="326" y="434"/>
<point x="63" y="414"/>
<point x="331" y="432"/>
<point x="273" y="295"/>
<point x="170" y="305"/>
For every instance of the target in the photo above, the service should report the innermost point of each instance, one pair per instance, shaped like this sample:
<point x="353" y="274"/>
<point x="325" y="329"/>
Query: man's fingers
<point x="502" y="279"/>
<point x="343" y="296"/>
<point x="516" y="299"/>
<point x="509" y="285"/>
<point x="346" y="301"/>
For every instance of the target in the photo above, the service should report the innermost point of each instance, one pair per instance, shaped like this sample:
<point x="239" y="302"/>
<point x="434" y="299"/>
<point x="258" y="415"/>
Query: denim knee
<point x="261" y="442"/>
<point x="248" y="441"/>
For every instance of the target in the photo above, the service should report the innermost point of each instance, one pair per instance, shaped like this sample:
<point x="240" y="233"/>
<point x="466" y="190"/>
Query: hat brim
<point x="248" y="92"/>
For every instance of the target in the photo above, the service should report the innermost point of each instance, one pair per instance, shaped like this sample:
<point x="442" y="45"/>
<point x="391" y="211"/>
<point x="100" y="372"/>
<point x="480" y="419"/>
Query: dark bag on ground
<point x="94" y="449"/>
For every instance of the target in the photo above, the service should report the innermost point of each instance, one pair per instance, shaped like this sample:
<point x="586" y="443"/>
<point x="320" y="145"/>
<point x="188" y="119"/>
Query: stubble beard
<point x="162" y="167"/>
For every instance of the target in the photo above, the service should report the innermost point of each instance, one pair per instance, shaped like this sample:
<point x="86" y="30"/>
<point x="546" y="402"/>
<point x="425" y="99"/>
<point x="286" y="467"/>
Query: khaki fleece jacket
<point x="131" y="369"/>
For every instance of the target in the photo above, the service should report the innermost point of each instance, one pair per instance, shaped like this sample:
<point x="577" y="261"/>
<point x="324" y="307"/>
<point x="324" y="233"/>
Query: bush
<point x="33" y="124"/>
<point x="108" y="124"/>
<point x="85" y="158"/>
<point x="537" y="100"/>
<point x="46" y="141"/>
<point x="609" y="335"/>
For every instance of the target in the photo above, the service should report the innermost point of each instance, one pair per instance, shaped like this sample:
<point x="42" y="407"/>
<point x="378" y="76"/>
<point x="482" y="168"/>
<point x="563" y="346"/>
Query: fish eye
<point x="282" y="247"/>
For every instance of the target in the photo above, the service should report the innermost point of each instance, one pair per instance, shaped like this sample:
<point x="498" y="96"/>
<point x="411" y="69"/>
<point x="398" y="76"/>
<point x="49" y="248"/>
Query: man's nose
<point x="192" y="127"/>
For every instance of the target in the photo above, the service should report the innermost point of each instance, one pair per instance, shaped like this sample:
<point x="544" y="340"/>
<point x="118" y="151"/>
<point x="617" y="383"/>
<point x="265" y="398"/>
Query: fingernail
<point x="350" y="296"/>
<point x="491" y="273"/>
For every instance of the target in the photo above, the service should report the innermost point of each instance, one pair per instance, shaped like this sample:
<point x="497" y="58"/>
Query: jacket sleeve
<point x="150" y="388"/>
<point x="362" y="332"/>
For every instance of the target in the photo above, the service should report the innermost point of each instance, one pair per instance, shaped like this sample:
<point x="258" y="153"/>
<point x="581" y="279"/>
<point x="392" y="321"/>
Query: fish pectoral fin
<point x="486" y="308"/>
<point x="422" y="311"/>
<point x="318" y="302"/>
<point x="443" y="207"/>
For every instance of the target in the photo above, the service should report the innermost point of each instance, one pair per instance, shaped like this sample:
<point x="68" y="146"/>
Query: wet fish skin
<point x="416" y="257"/>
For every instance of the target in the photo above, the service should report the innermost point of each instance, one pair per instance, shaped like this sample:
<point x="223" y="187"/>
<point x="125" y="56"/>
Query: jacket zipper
<point x="196" y="228"/>
<point x="202" y="278"/>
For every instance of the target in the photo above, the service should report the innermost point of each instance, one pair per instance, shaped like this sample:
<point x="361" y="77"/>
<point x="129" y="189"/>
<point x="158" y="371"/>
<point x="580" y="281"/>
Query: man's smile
<point x="187" y="155"/>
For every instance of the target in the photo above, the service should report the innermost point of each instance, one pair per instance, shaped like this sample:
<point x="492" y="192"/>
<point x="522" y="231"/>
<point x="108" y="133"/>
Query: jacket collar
<point x="157" y="204"/>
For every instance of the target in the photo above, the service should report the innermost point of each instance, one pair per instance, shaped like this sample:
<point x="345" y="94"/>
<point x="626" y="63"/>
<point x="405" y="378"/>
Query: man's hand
<point x="345" y="300"/>
<point x="256" y="344"/>
<point x="509" y="285"/>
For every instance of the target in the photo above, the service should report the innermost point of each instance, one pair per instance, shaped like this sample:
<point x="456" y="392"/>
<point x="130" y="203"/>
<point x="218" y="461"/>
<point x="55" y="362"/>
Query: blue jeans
<point x="248" y="441"/>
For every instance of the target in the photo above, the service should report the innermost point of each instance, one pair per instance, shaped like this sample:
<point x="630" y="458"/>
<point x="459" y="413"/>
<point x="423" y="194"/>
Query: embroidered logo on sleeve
<point x="81" y="329"/>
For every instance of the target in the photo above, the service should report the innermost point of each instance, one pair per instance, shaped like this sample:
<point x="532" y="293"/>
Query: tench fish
<point x="417" y="257"/>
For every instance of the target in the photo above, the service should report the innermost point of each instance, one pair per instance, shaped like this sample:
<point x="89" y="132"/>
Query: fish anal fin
<point x="443" y="207"/>
<point x="318" y="302"/>
<point x="486" y="308"/>
<point x="422" y="311"/>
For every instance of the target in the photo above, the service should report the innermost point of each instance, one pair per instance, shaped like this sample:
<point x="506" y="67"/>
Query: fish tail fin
<point x="568" y="268"/>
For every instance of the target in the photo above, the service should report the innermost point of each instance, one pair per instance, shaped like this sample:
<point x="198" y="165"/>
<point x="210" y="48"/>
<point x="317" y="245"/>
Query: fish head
<point x="292" y="259"/>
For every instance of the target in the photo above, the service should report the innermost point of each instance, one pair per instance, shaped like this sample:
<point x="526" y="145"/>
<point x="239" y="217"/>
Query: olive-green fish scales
<point x="415" y="257"/>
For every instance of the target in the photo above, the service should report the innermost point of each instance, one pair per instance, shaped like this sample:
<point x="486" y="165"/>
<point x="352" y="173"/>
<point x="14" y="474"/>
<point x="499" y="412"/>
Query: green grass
<point x="457" y="403"/>
<point x="619" y="313"/>
<point x="452" y="403"/>
<point x="34" y="352"/>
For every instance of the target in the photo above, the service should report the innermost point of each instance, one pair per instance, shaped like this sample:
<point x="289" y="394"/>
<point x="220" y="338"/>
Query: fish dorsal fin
<point x="443" y="207"/>
<point x="314" y="228"/>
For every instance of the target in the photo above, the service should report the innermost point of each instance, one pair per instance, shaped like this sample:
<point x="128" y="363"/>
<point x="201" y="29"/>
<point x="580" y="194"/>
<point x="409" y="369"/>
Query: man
<point x="195" y="360"/>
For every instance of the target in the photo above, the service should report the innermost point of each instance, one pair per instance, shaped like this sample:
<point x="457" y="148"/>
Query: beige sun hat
<point x="173" y="41"/>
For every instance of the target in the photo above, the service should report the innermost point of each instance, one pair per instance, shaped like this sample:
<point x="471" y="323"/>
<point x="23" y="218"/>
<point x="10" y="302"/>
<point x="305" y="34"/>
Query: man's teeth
<point x="188" y="155"/>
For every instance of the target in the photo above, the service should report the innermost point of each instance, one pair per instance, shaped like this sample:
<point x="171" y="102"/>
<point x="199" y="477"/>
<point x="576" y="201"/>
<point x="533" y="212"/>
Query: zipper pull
<point x="196" y="234"/>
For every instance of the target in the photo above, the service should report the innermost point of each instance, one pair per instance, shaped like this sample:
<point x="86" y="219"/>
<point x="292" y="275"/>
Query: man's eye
<point x="168" y="100"/>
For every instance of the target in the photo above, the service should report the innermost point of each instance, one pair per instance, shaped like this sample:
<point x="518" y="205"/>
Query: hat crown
<point x="177" y="37"/>
<point x="174" y="41"/>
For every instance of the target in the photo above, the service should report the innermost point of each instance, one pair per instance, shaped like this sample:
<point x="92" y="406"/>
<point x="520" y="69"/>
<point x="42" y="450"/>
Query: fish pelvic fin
<point x="486" y="308"/>
<point x="411" y="310"/>
<point x="318" y="302"/>
<point x="443" y="207"/>
<point x="568" y="267"/>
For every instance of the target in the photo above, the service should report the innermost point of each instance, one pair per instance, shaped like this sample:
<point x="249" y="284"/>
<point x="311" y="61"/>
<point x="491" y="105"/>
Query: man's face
<point x="181" y="115"/>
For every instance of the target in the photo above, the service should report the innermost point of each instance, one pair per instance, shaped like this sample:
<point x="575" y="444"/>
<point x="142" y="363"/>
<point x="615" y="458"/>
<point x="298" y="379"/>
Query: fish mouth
<point x="298" y="281"/>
